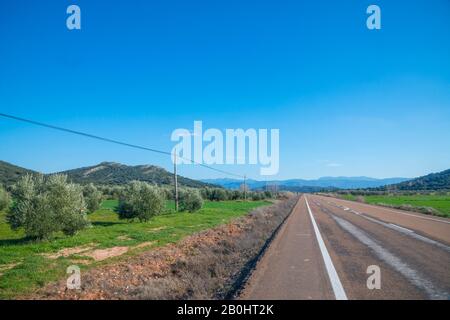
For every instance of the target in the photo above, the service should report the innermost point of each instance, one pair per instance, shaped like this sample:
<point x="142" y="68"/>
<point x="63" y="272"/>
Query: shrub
<point x="190" y="200"/>
<point x="218" y="195"/>
<point x="5" y="200"/>
<point x="256" y="196"/>
<point x="236" y="195"/>
<point x="204" y="192"/>
<point x="268" y="194"/>
<point x="93" y="197"/>
<point x="140" y="201"/>
<point x="168" y="193"/>
<point x="46" y="206"/>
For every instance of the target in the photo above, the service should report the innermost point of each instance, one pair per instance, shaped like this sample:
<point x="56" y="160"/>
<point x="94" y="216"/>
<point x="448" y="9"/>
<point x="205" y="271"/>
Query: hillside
<point x="104" y="173"/>
<point x="433" y="181"/>
<point x="116" y="173"/>
<point x="317" y="184"/>
<point x="10" y="173"/>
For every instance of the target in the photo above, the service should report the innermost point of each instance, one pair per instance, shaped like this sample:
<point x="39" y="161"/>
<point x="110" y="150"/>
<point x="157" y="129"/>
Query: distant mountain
<point x="117" y="173"/>
<point x="433" y="181"/>
<point x="317" y="184"/>
<point x="9" y="173"/>
<point x="104" y="173"/>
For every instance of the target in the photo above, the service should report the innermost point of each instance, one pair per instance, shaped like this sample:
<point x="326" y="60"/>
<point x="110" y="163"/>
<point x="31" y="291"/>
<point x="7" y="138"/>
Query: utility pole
<point x="175" y="178"/>
<point x="245" y="188"/>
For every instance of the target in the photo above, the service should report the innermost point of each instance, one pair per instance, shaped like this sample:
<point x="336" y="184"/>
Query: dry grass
<point x="216" y="269"/>
<point x="211" y="264"/>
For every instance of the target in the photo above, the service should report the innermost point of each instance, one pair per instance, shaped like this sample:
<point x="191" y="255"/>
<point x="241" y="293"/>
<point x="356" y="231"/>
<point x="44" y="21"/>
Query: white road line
<point x="405" y="231"/>
<point x="336" y="284"/>
<point x="401" y="228"/>
<point x="408" y="272"/>
<point x="400" y="212"/>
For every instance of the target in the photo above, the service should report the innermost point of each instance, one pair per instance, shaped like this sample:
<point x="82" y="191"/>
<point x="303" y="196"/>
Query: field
<point x="26" y="265"/>
<point x="441" y="203"/>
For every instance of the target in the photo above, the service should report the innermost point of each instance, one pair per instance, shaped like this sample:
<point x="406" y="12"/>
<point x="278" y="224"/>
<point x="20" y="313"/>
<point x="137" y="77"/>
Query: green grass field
<point x="439" y="202"/>
<point x="24" y="265"/>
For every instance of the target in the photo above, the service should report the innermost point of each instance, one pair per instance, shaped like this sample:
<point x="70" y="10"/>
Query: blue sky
<point x="347" y="100"/>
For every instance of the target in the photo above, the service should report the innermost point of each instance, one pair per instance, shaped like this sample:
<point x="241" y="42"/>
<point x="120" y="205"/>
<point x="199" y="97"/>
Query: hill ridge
<point x="106" y="172"/>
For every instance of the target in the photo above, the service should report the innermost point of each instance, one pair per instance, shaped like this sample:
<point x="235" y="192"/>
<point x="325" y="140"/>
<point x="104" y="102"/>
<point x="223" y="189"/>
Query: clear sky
<point x="347" y="100"/>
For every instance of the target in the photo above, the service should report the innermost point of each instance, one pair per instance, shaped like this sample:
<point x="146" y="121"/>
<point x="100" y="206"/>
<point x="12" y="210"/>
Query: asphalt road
<point x="335" y="249"/>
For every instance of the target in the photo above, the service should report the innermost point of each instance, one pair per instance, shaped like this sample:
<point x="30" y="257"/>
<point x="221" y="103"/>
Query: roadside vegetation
<point x="48" y="223"/>
<point x="45" y="206"/>
<point x="211" y="264"/>
<point x="218" y="270"/>
<point x="434" y="203"/>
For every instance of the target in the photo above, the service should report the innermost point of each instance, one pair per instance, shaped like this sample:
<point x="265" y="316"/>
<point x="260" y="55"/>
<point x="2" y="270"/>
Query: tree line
<point x="46" y="205"/>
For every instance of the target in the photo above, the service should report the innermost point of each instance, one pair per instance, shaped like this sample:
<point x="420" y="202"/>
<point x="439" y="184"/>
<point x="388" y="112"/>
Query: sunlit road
<point x="328" y="248"/>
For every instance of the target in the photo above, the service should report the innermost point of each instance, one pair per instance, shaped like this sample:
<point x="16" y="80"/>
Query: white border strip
<point x="338" y="289"/>
<point x="396" y="211"/>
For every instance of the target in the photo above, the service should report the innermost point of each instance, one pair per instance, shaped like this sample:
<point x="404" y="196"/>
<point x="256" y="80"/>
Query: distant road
<point x="325" y="247"/>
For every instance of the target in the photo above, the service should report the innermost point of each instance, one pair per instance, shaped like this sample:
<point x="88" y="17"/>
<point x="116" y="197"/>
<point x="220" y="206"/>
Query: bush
<point x="268" y="195"/>
<point x="256" y="196"/>
<point x="5" y="200"/>
<point x="204" y="192"/>
<point x="168" y="193"/>
<point x="46" y="206"/>
<point x="140" y="201"/>
<point x="93" y="197"/>
<point x="236" y="195"/>
<point x="190" y="200"/>
<point x="218" y="195"/>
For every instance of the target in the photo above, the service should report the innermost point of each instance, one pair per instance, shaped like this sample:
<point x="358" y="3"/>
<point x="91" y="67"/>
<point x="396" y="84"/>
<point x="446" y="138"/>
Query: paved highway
<point x="329" y="248"/>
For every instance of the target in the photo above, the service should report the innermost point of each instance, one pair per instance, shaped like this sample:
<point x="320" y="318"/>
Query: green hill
<point x="433" y="181"/>
<point x="10" y="173"/>
<point x="116" y="173"/>
<point x="105" y="173"/>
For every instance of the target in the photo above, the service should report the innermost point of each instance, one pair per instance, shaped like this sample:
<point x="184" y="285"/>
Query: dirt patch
<point x="81" y="261"/>
<point x="124" y="238"/>
<point x="87" y="173"/>
<point x="157" y="229"/>
<point x="144" y="244"/>
<point x="6" y="267"/>
<point x="102" y="254"/>
<point x="206" y="265"/>
<point x="69" y="251"/>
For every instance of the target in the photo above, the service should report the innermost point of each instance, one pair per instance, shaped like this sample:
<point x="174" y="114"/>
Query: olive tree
<point x="190" y="200"/>
<point x="44" y="206"/>
<point x="217" y="194"/>
<point x="141" y="201"/>
<point x="5" y="200"/>
<point x="93" y="197"/>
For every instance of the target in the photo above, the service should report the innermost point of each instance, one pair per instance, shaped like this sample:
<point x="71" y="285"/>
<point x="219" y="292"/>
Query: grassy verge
<point x="439" y="204"/>
<point x="212" y="264"/>
<point x="25" y="265"/>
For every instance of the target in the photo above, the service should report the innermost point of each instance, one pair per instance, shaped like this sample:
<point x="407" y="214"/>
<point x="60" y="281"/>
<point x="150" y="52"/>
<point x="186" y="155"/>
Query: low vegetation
<point x="190" y="200"/>
<point x="216" y="270"/>
<point x="93" y="197"/>
<point x="5" y="199"/>
<point x="210" y="264"/>
<point x="45" y="206"/>
<point x="49" y="223"/>
<point x="26" y="264"/>
<point x="140" y="201"/>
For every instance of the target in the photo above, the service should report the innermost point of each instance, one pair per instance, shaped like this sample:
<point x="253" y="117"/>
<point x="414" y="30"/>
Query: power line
<point x="41" y="124"/>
